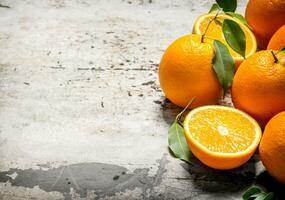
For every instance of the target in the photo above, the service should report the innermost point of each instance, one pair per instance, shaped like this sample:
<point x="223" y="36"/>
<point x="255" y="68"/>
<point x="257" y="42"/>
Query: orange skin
<point x="259" y="86"/>
<point x="277" y="42"/>
<point x="272" y="147"/>
<point x="186" y="72"/>
<point x="265" y="18"/>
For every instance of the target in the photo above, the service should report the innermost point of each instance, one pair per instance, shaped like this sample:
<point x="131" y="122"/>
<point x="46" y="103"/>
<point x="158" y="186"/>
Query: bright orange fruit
<point x="221" y="137"/>
<point x="272" y="147"/>
<point x="259" y="85"/>
<point x="265" y="18"/>
<point x="277" y="42"/>
<point x="215" y="32"/>
<point x="186" y="72"/>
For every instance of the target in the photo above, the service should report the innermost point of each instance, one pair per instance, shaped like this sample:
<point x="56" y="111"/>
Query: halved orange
<point x="215" y="32"/>
<point x="221" y="137"/>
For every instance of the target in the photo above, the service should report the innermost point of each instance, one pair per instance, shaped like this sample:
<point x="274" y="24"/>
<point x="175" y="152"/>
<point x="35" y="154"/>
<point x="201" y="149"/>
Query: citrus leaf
<point x="227" y="5"/>
<point x="223" y="65"/>
<point x="214" y="8"/>
<point x="177" y="142"/>
<point x="237" y="16"/>
<point x="234" y="36"/>
<point x="250" y="192"/>
<point x="265" y="196"/>
<point x="283" y="49"/>
<point x="269" y="196"/>
<point x="259" y="196"/>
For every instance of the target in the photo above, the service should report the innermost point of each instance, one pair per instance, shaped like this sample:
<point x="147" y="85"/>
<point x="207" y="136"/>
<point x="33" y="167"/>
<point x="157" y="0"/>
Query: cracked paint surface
<point x="103" y="180"/>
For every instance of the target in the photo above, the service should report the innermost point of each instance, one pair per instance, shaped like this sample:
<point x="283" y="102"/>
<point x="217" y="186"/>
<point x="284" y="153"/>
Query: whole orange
<point x="272" y="147"/>
<point x="186" y="72"/>
<point x="265" y="17"/>
<point x="277" y="42"/>
<point x="259" y="85"/>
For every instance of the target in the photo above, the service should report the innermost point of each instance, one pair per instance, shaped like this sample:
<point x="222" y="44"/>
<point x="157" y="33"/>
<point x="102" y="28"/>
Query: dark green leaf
<point x="177" y="142"/>
<point x="259" y="196"/>
<point x="234" y="36"/>
<point x="269" y="196"/>
<point x="227" y="5"/>
<point x="214" y="8"/>
<point x="263" y="196"/>
<point x="283" y="49"/>
<point x="250" y="192"/>
<point x="223" y="65"/>
<point x="237" y="16"/>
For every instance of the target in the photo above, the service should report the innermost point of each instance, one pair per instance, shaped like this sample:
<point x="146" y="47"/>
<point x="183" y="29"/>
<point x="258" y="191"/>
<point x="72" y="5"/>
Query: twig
<point x="274" y="56"/>
<point x="178" y="117"/>
<point x="210" y="21"/>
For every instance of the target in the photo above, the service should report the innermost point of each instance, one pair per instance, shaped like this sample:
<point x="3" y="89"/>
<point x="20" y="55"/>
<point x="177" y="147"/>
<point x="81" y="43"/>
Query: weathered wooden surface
<point x="81" y="112"/>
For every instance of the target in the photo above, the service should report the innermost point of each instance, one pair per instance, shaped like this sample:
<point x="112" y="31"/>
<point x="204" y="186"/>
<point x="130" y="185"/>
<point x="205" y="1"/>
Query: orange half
<point x="215" y="32"/>
<point x="221" y="137"/>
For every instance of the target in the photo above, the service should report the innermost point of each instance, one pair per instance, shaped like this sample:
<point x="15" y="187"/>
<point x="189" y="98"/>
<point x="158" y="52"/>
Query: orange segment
<point x="215" y="32"/>
<point x="221" y="137"/>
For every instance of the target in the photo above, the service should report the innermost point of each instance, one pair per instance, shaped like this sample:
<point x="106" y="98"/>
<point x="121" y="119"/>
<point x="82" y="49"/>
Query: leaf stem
<point x="208" y="25"/>
<point x="274" y="56"/>
<point x="178" y="117"/>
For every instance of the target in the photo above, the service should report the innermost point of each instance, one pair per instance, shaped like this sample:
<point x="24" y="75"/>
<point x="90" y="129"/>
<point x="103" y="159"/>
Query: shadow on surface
<point x="268" y="182"/>
<point x="170" y="111"/>
<point x="227" y="181"/>
<point x="230" y="181"/>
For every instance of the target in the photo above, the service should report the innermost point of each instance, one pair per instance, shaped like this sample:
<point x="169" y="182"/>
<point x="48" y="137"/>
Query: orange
<point x="186" y="72"/>
<point x="272" y="147"/>
<point x="221" y="137"/>
<point x="215" y="32"/>
<point x="265" y="18"/>
<point x="277" y="42"/>
<point x="259" y="86"/>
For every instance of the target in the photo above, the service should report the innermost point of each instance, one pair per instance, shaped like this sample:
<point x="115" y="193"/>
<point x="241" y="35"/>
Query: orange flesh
<point x="222" y="131"/>
<point x="215" y="32"/>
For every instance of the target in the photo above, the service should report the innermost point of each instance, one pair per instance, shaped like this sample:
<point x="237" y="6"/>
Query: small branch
<point x="274" y="56"/>
<point x="178" y="117"/>
<point x="210" y="21"/>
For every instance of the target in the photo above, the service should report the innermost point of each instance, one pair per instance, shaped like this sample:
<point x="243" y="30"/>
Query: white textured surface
<point x="78" y="83"/>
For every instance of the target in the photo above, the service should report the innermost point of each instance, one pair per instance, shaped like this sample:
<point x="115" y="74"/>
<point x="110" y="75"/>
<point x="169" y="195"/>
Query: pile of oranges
<point x="223" y="137"/>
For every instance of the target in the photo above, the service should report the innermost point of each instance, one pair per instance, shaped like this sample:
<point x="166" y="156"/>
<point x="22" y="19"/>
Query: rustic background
<point x="81" y="112"/>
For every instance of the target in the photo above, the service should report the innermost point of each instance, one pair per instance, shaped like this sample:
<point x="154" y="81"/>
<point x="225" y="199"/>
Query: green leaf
<point x="283" y="49"/>
<point x="214" y="8"/>
<point x="269" y="196"/>
<point x="250" y="192"/>
<point x="227" y="5"/>
<point x="234" y="36"/>
<point x="264" y="196"/>
<point x="177" y="142"/>
<point x="223" y="65"/>
<point x="257" y="195"/>
<point x="237" y="16"/>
